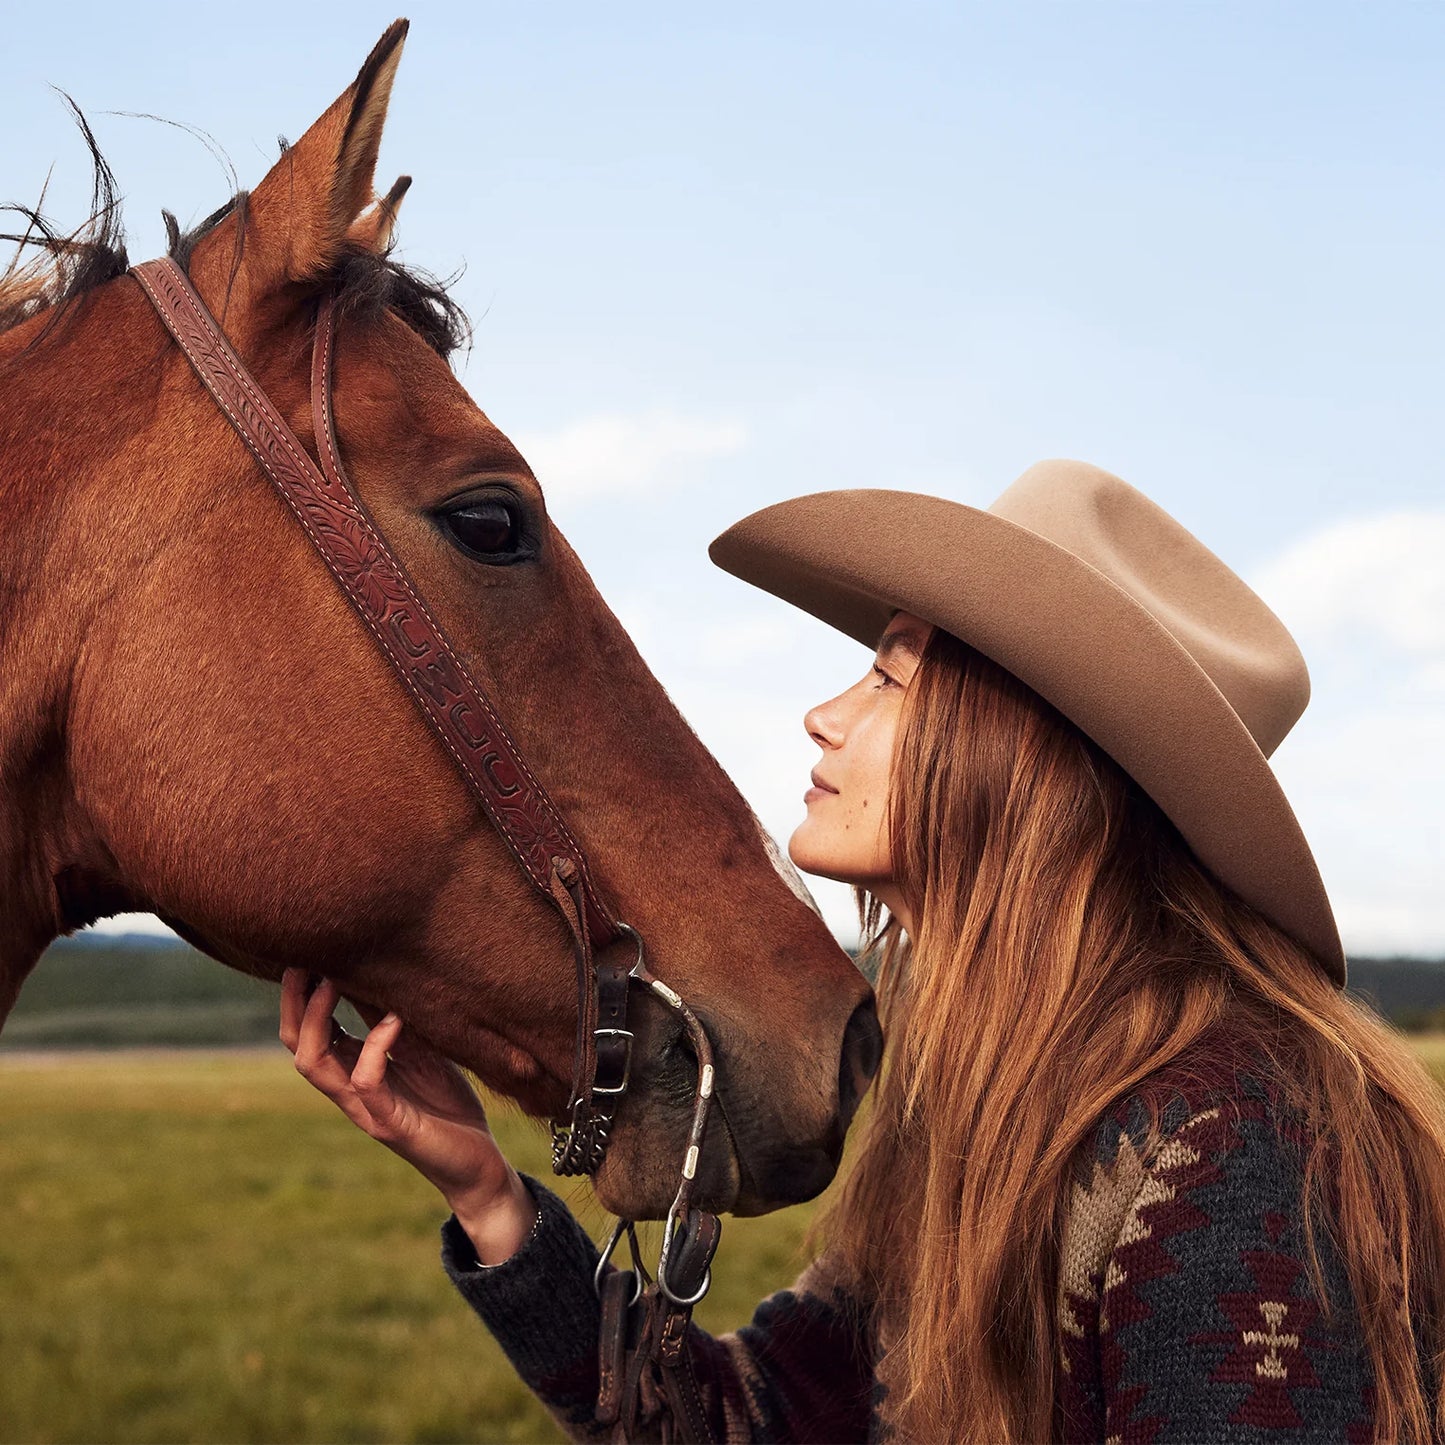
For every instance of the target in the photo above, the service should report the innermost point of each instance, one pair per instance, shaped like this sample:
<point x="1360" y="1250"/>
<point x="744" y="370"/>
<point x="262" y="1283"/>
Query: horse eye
<point x="489" y="530"/>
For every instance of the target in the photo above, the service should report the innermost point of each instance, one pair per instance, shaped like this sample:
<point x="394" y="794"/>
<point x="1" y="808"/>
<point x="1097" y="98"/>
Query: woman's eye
<point x="883" y="679"/>
<point x="490" y="530"/>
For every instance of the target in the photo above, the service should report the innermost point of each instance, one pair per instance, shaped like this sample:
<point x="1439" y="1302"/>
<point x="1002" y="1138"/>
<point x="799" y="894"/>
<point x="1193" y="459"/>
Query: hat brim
<point x="853" y="558"/>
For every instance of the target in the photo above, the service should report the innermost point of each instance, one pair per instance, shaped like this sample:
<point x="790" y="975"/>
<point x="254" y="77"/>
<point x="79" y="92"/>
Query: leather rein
<point x="469" y="727"/>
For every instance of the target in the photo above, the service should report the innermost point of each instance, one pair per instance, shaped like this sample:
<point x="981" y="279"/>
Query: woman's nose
<point x="824" y="725"/>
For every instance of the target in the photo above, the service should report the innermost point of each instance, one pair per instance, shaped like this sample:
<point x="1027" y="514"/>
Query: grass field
<point x="197" y="1247"/>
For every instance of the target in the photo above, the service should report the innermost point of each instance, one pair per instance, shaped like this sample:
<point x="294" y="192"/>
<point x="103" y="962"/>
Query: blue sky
<point x="720" y="260"/>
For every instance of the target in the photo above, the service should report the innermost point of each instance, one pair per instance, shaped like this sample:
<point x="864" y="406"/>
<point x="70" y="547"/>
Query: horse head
<point x="193" y="721"/>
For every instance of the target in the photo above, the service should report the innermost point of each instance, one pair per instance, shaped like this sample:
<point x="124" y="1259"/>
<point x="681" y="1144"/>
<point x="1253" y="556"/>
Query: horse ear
<point x="372" y="230"/>
<point x="298" y="219"/>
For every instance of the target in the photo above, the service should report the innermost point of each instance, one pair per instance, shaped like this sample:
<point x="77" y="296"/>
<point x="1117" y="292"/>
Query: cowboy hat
<point x="1102" y="603"/>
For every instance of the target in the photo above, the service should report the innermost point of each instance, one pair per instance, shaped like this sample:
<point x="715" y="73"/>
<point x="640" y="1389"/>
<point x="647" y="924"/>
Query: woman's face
<point x="845" y="835"/>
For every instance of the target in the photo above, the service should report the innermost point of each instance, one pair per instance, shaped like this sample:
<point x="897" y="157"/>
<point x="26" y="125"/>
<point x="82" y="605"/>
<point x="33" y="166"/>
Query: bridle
<point x="467" y="723"/>
<point x="461" y="715"/>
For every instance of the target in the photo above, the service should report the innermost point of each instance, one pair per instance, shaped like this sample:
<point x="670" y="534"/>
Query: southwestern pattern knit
<point x="1185" y="1308"/>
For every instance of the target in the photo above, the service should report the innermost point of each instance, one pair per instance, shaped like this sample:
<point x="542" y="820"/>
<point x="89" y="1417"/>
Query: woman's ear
<point x="300" y="218"/>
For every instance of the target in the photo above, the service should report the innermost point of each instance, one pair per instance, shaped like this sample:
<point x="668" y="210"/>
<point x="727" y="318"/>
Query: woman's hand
<point x="401" y="1091"/>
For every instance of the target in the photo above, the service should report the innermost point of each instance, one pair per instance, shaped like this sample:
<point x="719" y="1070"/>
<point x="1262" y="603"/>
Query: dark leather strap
<point x="613" y="1342"/>
<point x="693" y="1245"/>
<point x="648" y="1383"/>
<point x="684" y="1400"/>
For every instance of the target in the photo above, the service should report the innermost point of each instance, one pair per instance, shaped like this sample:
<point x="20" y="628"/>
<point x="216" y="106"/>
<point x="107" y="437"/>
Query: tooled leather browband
<point x="457" y="710"/>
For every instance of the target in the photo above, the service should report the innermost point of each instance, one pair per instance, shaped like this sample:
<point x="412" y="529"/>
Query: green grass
<point x="197" y="1247"/>
<point x="1431" y="1049"/>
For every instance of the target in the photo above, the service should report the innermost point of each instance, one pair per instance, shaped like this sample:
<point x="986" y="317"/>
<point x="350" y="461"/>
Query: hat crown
<point x="1244" y="649"/>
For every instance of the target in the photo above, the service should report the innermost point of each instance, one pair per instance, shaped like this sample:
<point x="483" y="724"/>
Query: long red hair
<point x="1059" y="916"/>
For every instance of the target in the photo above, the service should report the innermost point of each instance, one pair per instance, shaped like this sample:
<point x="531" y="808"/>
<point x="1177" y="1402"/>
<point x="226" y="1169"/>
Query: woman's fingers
<point x="317" y="1060"/>
<point x="293" y="1006"/>
<point x="395" y="1087"/>
<point x="368" y="1074"/>
<point x="330" y="1060"/>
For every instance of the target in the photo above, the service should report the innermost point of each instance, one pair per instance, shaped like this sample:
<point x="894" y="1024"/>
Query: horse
<point x="193" y="721"/>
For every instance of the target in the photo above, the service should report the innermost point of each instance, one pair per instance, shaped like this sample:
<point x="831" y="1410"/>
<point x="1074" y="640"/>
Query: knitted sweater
<point x="1185" y="1311"/>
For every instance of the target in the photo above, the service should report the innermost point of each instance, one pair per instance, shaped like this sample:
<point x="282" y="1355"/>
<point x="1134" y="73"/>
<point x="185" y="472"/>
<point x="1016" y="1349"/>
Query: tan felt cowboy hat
<point x="1102" y="603"/>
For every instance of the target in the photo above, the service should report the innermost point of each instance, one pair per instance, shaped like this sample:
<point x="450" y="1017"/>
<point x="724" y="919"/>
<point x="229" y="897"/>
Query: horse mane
<point x="66" y="266"/>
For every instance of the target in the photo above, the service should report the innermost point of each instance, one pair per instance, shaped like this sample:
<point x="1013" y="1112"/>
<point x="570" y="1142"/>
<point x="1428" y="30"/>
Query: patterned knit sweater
<point x="1185" y="1311"/>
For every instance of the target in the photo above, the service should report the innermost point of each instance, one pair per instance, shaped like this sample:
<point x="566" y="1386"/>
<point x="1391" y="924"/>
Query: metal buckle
<point x="626" y="1063"/>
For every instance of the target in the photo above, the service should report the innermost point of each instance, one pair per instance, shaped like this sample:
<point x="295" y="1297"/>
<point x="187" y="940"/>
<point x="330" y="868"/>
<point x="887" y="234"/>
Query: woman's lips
<point x="820" y="789"/>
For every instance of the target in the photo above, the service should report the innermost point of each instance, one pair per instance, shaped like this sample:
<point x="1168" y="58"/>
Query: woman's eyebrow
<point x="897" y="642"/>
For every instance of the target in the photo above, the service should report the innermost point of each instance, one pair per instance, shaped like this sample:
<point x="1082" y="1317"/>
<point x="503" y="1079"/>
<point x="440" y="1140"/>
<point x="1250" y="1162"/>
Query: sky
<point x="720" y="259"/>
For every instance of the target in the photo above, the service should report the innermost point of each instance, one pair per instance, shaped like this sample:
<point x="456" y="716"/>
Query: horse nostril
<point x="862" y="1053"/>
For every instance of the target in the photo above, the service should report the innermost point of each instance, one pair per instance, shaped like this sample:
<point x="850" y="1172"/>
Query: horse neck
<point x="54" y="401"/>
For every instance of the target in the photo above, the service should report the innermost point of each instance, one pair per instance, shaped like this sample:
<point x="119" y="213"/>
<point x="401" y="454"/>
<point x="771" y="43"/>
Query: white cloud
<point x="613" y="454"/>
<point x="1368" y="786"/>
<point x="1380" y="577"/>
<point x="1365" y="767"/>
<point x="131" y="923"/>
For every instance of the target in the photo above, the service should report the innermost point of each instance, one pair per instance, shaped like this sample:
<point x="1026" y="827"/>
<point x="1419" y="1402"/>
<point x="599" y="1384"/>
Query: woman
<point x="1137" y="1168"/>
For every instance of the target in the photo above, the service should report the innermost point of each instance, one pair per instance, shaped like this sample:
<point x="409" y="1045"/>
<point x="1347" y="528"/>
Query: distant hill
<point x="100" y="991"/>
<point x="140" y="990"/>
<point x="1410" y="992"/>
